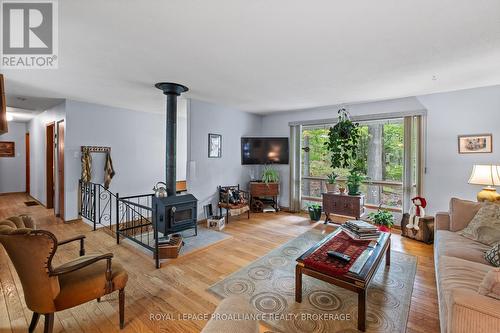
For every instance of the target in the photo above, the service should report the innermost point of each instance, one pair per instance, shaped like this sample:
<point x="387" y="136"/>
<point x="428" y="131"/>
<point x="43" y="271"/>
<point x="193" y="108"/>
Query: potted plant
<point x="270" y="175"/>
<point x="343" y="139"/>
<point x="314" y="210"/>
<point x="342" y="188"/>
<point x="354" y="181"/>
<point x="331" y="183"/>
<point x="383" y="219"/>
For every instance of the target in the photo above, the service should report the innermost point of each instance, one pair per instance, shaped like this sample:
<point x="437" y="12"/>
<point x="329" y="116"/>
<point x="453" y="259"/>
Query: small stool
<point x="426" y="232"/>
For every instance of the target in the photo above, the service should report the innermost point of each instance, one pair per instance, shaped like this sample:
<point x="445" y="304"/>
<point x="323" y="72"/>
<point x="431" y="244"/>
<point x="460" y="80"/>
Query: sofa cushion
<point x="456" y="274"/>
<point x="462" y="212"/>
<point x="490" y="286"/>
<point x="485" y="225"/>
<point x="493" y="255"/>
<point x="452" y="244"/>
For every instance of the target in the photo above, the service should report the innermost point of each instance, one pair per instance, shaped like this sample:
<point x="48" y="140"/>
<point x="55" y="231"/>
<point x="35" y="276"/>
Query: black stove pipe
<point x="172" y="90"/>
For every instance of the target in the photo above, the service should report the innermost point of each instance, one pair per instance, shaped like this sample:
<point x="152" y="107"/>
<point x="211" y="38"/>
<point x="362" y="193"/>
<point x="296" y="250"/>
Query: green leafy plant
<point x="382" y="217"/>
<point x="314" y="210"/>
<point x="313" y="205"/>
<point x="354" y="180"/>
<point x="332" y="178"/>
<point x="270" y="175"/>
<point x="343" y="140"/>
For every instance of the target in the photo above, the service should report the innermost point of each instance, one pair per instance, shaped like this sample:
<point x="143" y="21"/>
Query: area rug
<point x="205" y="238"/>
<point x="269" y="286"/>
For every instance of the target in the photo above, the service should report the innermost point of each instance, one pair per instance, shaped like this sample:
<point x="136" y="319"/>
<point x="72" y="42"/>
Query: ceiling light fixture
<point x="10" y="117"/>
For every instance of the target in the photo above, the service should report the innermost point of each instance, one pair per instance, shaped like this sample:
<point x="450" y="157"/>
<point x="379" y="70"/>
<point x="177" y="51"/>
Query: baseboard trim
<point x="11" y="193"/>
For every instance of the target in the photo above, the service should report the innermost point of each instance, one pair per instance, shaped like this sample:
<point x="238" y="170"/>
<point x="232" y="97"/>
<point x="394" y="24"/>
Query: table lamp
<point x="488" y="175"/>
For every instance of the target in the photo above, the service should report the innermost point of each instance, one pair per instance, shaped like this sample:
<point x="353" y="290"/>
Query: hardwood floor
<point x="179" y="287"/>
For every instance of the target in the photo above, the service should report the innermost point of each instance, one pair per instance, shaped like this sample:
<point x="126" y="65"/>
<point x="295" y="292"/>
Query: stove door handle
<point x="172" y="215"/>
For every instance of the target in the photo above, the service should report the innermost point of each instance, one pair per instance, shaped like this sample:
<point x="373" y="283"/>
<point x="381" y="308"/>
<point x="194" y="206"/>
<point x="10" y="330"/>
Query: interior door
<point x="27" y="139"/>
<point x="49" y="170"/>
<point x="60" y="166"/>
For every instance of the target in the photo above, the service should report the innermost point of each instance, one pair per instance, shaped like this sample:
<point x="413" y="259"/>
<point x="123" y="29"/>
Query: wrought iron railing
<point x="128" y="217"/>
<point x="96" y="204"/>
<point x="135" y="216"/>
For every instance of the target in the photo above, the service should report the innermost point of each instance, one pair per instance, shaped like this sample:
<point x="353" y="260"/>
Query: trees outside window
<point x="380" y="157"/>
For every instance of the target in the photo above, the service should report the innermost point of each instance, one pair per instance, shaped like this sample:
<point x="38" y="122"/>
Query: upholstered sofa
<point x="460" y="269"/>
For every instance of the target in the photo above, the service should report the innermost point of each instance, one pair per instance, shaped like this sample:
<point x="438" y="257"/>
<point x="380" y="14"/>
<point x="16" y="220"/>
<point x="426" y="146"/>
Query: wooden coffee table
<point x="356" y="280"/>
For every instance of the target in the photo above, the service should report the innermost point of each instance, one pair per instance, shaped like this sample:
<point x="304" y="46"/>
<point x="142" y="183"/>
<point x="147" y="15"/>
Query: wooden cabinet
<point x="343" y="204"/>
<point x="262" y="194"/>
<point x="3" y="108"/>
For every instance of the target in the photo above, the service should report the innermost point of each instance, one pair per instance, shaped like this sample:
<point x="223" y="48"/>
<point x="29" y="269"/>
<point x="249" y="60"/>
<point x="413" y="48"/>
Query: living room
<point x="186" y="167"/>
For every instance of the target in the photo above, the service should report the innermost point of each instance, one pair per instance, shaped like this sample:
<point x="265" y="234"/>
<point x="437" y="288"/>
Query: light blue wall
<point x="205" y="174"/>
<point x="471" y="111"/>
<point x="137" y="142"/>
<point x="12" y="169"/>
<point x="36" y="128"/>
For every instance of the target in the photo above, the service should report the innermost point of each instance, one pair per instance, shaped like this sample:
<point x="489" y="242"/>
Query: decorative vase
<point x="314" y="213"/>
<point x="342" y="189"/>
<point x="331" y="188"/>
<point x="353" y="189"/>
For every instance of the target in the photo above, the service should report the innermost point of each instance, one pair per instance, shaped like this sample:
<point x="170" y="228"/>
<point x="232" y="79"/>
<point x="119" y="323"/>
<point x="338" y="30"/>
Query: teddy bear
<point x="416" y="212"/>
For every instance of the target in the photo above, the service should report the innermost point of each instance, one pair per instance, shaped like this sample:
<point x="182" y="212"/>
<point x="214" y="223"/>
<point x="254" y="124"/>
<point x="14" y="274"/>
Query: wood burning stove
<point x="173" y="213"/>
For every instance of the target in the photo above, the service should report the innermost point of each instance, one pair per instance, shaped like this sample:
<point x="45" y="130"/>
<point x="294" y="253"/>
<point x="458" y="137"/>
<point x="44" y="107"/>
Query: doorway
<point x="49" y="168"/>
<point x="60" y="167"/>
<point x="27" y="143"/>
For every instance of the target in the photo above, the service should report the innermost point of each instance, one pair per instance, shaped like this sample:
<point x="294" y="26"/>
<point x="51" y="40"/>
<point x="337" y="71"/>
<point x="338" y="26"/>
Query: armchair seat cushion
<point x="87" y="283"/>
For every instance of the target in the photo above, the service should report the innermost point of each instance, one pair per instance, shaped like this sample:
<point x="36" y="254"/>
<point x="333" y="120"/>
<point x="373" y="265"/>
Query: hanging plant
<point x="343" y="139"/>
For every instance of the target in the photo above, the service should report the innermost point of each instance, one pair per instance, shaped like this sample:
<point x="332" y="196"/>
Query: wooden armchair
<point x="49" y="289"/>
<point x="234" y="200"/>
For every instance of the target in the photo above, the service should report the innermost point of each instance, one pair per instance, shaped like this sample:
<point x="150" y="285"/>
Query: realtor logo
<point x="29" y="34"/>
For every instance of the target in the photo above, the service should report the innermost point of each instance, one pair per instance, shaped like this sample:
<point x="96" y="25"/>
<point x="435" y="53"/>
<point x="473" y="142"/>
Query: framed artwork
<point x="7" y="149"/>
<point x="214" y="145"/>
<point x="475" y="144"/>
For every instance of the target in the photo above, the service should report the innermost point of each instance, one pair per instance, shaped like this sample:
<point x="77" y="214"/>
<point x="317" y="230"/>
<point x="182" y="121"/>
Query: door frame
<point x="27" y="152"/>
<point x="60" y="167"/>
<point x="49" y="164"/>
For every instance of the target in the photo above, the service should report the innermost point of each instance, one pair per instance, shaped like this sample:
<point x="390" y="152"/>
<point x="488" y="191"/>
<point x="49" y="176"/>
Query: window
<point x="388" y="154"/>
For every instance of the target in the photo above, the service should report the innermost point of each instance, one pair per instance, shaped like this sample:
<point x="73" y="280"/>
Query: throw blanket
<point x="86" y="166"/>
<point x="109" y="171"/>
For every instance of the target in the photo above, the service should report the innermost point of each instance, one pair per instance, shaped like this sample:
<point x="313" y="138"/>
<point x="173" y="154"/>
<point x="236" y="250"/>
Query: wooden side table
<point x="343" y="204"/>
<point x="262" y="193"/>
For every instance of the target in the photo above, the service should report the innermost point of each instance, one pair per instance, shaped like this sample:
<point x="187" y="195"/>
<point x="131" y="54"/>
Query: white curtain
<point x="295" y="168"/>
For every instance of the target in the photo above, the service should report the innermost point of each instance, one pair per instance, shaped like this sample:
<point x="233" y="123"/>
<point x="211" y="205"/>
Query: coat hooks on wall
<point x="96" y="149"/>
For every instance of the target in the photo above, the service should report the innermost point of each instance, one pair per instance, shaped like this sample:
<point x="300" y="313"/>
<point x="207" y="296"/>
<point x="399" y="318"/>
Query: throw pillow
<point x="493" y="255"/>
<point x="462" y="212"/>
<point x="490" y="286"/>
<point x="485" y="225"/>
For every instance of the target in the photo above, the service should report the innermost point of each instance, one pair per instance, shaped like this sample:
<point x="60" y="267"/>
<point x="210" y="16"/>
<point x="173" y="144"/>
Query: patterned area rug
<point x="269" y="285"/>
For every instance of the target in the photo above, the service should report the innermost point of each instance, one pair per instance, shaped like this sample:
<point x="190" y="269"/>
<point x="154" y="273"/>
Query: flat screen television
<point x="259" y="150"/>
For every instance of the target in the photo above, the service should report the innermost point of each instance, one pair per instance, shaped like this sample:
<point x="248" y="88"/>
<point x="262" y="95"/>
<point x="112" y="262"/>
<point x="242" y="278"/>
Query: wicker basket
<point x="170" y="249"/>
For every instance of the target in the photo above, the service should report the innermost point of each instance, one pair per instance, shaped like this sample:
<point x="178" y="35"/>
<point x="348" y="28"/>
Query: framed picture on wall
<point x="7" y="149"/>
<point x="475" y="144"/>
<point x="214" y="145"/>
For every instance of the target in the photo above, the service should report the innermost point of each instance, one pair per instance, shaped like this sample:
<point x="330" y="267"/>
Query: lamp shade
<point x="488" y="175"/>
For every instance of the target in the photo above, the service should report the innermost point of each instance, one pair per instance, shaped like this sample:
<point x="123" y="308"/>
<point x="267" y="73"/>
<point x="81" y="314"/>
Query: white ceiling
<point x="21" y="115"/>
<point x="265" y="56"/>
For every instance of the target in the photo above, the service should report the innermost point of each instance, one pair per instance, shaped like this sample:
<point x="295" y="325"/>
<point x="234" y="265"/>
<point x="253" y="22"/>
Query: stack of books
<point x="361" y="230"/>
